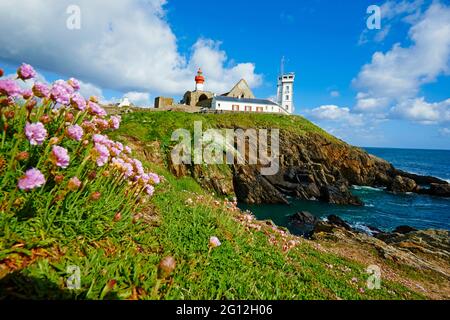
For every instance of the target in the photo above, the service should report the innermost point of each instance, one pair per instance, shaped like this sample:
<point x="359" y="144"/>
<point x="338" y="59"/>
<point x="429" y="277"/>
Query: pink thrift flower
<point x="138" y="166"/>
<point x="35" y="133"/>
<point x="154" y="177"/>
<point x="214" y="242"/>
<point x="74" y="83"/>
<point x="61" y="92"/>
<point x="88" y="126"/>
<point x="100" y="138"/>
<point x="78" y="102"/>
<point x="114" y="122"/>
<point x="102" y="154"/>
<point x="129" y="170"/>
<point x="119" y="146"/>
<point x="128" y="150"/>
<point x="75" y="132"/>
<point x="60" y="156"/>
<point x="9" y="87"/>
<point x="27" y="94"/>
<point x="149" y="189"/>
<point x="101" y="124"/>
<point x="95" y="109"/>
<point x="26" y="72"/>
<point x="114" y="151"/>
<point x="74" y="184"/>
<point x="41" y="90"/>
<point x="33" y="179"/>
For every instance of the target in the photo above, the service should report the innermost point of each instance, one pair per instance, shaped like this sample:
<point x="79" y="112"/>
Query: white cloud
<point x="88" y="89"/>
<point x="397" y="75"/>
<point x="334" y="94"/>
<point x="421" y="111"/>
<point x="445" y="132"/>
<point x="125" y="45"/>
<point x="336" y="113"/>
<point x="140" y="99"/>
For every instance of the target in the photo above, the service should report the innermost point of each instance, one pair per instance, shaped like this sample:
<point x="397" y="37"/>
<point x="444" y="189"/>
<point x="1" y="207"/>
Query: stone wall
<point x="161" y="102"/>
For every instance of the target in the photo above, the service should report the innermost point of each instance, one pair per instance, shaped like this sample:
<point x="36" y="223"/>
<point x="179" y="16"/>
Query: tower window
<point x="287" y="97"/>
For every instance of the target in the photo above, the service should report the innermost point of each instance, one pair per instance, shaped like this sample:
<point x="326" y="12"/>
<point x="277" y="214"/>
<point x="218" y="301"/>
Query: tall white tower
<point x="285" y="89"/>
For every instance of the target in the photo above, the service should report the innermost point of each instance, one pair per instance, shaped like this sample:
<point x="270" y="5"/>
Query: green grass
<point x="246" y="266"/>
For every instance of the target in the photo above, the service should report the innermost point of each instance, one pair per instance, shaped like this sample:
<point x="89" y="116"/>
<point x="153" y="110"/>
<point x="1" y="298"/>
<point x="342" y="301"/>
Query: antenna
<point x="282" y="66"/>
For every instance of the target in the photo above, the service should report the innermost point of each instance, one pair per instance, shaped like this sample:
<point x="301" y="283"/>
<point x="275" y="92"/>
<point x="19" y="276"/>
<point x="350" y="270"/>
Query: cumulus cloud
<point x="141" y="99"/>
<point x="392" y="80"/>
<point x="337" y="114"/>
<point x="125" y="45"/>
<point x="421" y="111"/>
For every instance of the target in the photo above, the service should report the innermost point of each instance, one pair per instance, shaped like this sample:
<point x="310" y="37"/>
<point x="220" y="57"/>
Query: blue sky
<point x="386" y="87"/>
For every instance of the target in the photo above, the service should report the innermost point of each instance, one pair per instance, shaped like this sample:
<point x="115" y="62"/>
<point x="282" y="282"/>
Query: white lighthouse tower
<point x="285" y="89"/>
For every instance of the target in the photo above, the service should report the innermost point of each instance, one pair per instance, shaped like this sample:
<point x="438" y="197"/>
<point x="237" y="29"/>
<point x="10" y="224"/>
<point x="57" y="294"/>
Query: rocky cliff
<point x="312" y="167"/>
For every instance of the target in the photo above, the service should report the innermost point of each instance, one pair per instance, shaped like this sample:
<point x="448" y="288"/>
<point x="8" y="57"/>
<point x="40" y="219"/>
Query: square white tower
<point x="285" y="91"/>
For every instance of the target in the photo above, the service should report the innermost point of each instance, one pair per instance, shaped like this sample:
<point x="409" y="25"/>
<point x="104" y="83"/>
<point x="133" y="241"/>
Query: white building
<point x="223" y="103"/>
<point x="241" y="98"/>
<point x="124" y="103"/>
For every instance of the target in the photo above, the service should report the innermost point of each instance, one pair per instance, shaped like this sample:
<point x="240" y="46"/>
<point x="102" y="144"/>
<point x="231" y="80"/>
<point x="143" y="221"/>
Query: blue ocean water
<point x="382" y="209"/>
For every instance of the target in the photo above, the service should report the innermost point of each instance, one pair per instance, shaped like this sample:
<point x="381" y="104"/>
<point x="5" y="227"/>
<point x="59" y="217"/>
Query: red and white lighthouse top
<point x="199" y="78"/>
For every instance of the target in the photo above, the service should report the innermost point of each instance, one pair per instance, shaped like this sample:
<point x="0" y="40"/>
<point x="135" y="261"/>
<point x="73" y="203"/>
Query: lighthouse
<point x="199" y="80"/>
<point x="285" y="89"/>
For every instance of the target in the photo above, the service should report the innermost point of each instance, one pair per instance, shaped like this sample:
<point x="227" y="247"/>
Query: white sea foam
<point x="363" y="228"/>
<point x="367" y="188"/>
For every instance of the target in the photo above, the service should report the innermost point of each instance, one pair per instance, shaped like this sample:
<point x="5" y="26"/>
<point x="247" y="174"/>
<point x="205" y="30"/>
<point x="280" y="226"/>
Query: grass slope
<point x="251" y="263"/>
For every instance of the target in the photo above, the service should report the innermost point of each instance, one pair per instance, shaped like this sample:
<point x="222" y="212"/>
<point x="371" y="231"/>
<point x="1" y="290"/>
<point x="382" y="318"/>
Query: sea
<point x="381" y="209"/>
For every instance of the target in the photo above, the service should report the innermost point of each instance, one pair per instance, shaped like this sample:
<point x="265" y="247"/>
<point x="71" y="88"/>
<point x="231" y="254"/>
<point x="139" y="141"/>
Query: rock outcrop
<point x="423" y="249"/>
<point x="312" y="166"/>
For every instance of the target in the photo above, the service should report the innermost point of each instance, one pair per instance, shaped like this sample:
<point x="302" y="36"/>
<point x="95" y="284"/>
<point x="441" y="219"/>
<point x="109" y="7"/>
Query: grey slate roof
<point x="245" y="100"/>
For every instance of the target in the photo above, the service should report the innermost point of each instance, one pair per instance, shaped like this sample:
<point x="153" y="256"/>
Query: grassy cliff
<point x="256" y="260"/>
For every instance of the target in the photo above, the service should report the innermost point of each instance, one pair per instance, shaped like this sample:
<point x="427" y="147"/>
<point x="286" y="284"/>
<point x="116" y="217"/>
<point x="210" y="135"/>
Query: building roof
<point x="245" y="100"/>
<point x="240" y="88"/>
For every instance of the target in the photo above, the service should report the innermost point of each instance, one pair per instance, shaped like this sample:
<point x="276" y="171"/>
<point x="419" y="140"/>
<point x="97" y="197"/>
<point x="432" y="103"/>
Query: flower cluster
<point x="52" y="133"/>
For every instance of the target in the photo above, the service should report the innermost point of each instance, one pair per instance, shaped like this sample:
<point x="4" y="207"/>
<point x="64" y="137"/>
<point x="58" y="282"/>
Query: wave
<point x="367" y="188"/>
<point x="362" y="227"/>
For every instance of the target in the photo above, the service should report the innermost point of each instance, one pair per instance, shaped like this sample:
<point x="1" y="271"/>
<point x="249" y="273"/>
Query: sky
<point x="387" y="86"/>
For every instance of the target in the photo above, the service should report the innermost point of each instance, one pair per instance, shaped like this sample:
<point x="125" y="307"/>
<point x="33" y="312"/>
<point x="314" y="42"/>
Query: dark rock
<point x="422" y="180"/>
<point x="404" y="229"/>
<point x="332" y="222"/>
<point x="323" y="226"/>
<point x="335" y="220"/>
<point x="374" y="230"/>
<point x="402" y="184"/>
<point x="303" y="218"/>
<point x="338" y="194"/>
<point x="441" y="190"/>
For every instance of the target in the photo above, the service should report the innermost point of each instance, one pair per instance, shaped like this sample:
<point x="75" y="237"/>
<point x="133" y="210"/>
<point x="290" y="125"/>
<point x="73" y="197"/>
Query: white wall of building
<point x="285" y="91"/>
<point x="245" y="106"/>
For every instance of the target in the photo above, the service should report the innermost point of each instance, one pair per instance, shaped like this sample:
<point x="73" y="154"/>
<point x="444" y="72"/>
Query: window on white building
<point x="287" y="97"/>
